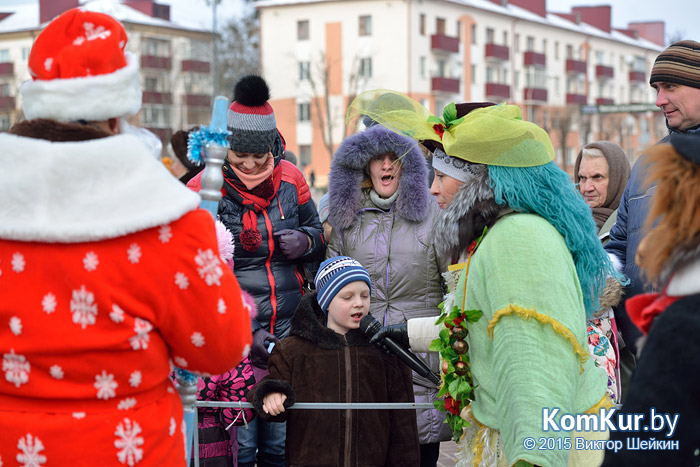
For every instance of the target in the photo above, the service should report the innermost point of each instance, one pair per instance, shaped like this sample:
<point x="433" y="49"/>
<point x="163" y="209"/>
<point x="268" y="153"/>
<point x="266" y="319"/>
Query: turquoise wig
<point x="548" y="191"/>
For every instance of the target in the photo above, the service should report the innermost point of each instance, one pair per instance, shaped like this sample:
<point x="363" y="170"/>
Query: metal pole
<point x="214" y="54"/>
<point x="329" y="405"/>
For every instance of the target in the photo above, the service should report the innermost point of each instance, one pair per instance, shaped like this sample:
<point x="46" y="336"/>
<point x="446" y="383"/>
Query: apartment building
<point x="571" y="72"/>
<point x="175" y="60"/>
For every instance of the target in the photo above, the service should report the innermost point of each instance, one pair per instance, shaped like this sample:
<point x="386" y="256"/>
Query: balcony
<point x="441" y="84"/>
<point x="534" y="94"/>
<point x="197" y="100"/>
<point x="7" y="103"/>
<point x="497" y="52"/>
<point x="534" y="59"/>
<point x="575" y="66"/>
<point x="576" y="99"/>
<point x="440" y="42"/>
<point x="604" y="101"/>
<point x="196" y="66"/>
<point x="153" y="97"/>
<point x="605" y="72"/>
<point x="155" y="62"/>
<point x="497" y="91"/>
<point x="637" y="77"/>
<point x="7" y="69"/>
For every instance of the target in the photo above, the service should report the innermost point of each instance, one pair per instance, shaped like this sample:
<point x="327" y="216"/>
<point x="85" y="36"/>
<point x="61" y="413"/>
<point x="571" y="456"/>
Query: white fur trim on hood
<point x="85" y="191"/>
<point x="91" y="98"/>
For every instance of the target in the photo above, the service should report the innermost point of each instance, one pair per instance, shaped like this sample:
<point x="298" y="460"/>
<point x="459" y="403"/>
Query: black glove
<point x="258" y="351"/>
<point x="396" y="332"/>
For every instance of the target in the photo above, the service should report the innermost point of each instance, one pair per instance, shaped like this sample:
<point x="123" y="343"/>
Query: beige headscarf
<point x="618" y="174"/>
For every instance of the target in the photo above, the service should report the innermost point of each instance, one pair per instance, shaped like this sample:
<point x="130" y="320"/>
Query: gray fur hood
<point x="349" y="167"/>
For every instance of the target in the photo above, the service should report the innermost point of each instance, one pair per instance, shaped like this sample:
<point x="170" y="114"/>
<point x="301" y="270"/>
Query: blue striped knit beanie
<point x="251" y="119"/>
<point x="334" y="274"/>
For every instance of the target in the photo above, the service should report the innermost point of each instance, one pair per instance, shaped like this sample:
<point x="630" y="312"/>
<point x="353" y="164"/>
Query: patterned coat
<point x="107" y="274"/>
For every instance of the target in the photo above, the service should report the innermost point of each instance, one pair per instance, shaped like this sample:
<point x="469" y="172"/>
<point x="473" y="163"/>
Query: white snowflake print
<point x="83" y="307"/>
<point x="105" y="385"/>
<point x="181" y="362"/>
<point x="197" y="339"/>
<point x="165" y="233"/>
<point x="90" y="261"/>
<point x="56" y="372"/>
<point x="18" y="262"/>
<point x="92" y="33"/>
<point x="246" y="350"/>
<point x="222" y="306"/>
<point x="126" y="404"/>
<point x="117" y="314"/>
<point x="209" y="267"/>
<point x="135" y="379"/>
<point x="48" y="303"/>
<point x="78" y="415"/>
<point x="128" y="442"/>
<point x="181" y="280"/>
<point x="172" y="427"/>
<point x="47" y="63"/>
<point x="31" y="448"/>
<point x="16" y="325"/>
<point x="16" y="368"/>
<point x="141" y="328"/>
<point x="134" y="253"/>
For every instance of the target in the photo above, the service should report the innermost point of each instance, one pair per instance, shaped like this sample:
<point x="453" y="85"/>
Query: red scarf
<point x="254" y="201"/>
<point x="643" y="308"/>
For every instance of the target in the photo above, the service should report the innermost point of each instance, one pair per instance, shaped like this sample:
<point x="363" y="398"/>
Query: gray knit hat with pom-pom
<point x="251" y="119"/>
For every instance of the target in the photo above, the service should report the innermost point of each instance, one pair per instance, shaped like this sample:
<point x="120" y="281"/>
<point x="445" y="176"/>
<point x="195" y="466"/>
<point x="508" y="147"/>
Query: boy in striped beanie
<point x="345" y="278"/>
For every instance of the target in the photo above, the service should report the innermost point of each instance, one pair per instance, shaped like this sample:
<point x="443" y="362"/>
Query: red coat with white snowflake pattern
<point x="98" y="293"/>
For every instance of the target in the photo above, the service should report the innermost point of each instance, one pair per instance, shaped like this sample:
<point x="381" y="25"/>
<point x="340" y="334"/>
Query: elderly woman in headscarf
<point x="601" y="172"/>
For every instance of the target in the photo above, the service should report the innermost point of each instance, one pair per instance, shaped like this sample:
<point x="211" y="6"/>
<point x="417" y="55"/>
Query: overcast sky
<point x="680" y="15"/>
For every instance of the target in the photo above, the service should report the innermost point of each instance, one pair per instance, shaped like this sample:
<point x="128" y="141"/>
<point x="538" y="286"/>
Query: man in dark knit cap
<point x="676" y="78"/>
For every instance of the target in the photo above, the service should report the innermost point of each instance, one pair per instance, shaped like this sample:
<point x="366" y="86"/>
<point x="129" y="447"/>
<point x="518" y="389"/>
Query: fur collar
<point x="348" y="170"/>
<point x="83" y="190"/>
<point x="463" y="220"/>
<point x="309" y="322"/>
<point x="685" y="278"/>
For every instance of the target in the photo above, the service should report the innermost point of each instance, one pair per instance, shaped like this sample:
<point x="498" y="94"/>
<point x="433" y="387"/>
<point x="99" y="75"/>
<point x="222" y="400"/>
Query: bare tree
<point x="563" y="121"/>
<point x="326" y="116"/>
<point x="240" y="50"/>
<point x="675" y="36"/>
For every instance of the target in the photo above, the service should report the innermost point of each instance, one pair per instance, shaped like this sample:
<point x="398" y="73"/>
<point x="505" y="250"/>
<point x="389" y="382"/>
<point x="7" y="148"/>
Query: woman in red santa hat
<point x="108" y="272"/>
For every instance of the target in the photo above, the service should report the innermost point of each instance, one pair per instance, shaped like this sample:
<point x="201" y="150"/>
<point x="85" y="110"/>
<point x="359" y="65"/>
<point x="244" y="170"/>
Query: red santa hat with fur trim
<point x="80" y="71"/>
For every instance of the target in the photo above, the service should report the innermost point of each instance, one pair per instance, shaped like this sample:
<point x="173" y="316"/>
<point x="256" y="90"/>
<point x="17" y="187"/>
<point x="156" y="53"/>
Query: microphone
<point x="371" y="326"/>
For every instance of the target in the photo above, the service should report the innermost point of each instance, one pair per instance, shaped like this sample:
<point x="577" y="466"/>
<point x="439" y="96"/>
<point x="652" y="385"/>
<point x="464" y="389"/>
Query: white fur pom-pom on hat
<point x="80" y="70"/>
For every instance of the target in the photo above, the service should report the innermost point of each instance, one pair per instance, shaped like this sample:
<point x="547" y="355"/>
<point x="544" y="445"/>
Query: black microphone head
<point x="369" y="325"/>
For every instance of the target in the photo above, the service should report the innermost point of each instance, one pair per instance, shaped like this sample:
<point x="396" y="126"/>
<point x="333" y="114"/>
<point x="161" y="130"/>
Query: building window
<point x="516" y="46"/>
<point x="365" y="25"/>
<point x="530" y="44"/>
<point x="304" y="71"/>
<point x="153" y="84"/>
<point x="473" y="74"/>
<point x="599" y="57"/>
<point x="4" y="122"/>
<point x="473" y="33"/>
<point x="304" y="155"/>
<point x="303" y="112"/>
<point x="156" y="116"/>
<point x="489" y="74"/>
<point x="200" y="50"/>
<point x="303" y="30"/>
<point x="569" y="51"/>
<point x="459" y="29"/>
<point x="440" y="26"/>
<point x="489" y="35"/>
<point x="25" y="53"/>
<point x="155" y="47"/>
<point x="505" y="37"/>
<point x="421" y="24"/>
<point x="4" y="89"/>
<point x="516" y="79"/>
<point x="544" y="46"/>
<point x="422" y="67"/>
<point x="4" y="55"/>
<point x="441" y="68"/>
<point x="556" y="50"/>
<point x="366" y="67"/>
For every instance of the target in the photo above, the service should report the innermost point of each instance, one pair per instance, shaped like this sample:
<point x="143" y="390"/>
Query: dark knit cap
<point x="251" y="119"/>
<point x="679" y="64"/>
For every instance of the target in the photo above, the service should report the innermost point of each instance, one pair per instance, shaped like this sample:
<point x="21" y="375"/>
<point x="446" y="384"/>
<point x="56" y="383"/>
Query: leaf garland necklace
<point x="457" y="385"/>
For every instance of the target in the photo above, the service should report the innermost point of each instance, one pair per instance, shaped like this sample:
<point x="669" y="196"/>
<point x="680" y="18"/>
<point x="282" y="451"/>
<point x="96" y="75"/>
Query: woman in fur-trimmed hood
<point x="382" y="213"/>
